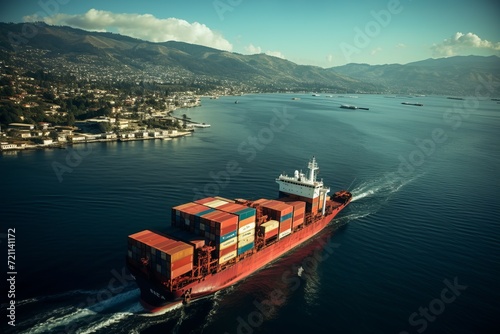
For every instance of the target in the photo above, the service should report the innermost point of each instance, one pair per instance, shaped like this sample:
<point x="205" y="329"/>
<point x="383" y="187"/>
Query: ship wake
<point x="369" y="196"/>
<point x="381" y="187"/>
<point x="78" y="311"/>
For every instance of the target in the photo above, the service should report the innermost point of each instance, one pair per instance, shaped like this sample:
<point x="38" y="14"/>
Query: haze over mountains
<point x="60" y="46"/>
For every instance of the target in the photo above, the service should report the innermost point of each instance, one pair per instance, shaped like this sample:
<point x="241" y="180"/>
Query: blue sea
<point x="417" y="250"/>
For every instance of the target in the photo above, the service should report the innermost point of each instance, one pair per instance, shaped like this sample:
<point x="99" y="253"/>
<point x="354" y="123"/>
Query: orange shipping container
<point x="221" y="253"/>
<point x="270" y="233"/>
<point x="181" y="262"/>
<point x="180" y="271"/>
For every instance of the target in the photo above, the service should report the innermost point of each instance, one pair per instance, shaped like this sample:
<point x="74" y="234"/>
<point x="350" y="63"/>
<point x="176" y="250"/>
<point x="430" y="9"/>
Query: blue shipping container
<point x="245" y="248"/>
<point x="285" y="217"/>
<point x="227" y="236"/>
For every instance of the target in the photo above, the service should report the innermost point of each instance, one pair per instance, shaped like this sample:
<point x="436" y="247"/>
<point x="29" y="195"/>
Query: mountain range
<point x="455" y="76"/>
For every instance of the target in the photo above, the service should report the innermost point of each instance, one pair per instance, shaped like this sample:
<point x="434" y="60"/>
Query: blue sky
<point x="323" y="33"/>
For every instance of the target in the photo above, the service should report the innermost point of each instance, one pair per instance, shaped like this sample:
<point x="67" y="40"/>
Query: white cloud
<point x="329" y="58"/>
<point x="401" y="46"/>
<point x="275" y="54"/>
<point x="464" y="44"/>
<point x="252" y="49"/>
<point x="146" y="27"/>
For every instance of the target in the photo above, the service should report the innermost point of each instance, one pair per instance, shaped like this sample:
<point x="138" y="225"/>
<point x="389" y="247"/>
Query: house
<point x="21" y="126"/>
<point x="7" y="146"/>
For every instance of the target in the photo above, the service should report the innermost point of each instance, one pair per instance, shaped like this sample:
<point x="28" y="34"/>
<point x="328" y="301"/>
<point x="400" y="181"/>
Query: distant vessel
<point x="347" y="106"/>
<point x="295" y="98"/>
<point x="215" y="242"/>
<point x="412" y="104"/>
<point x="236" y="102"/>
<point x="316" y="94"/>
<point x="200" y="125"/>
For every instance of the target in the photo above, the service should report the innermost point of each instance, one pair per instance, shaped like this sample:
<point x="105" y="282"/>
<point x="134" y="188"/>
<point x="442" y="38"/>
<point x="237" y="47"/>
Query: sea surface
<point x="417" y="251"/>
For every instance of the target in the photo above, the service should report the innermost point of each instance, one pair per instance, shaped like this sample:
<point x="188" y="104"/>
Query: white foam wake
<point x="381" y="186"/>
<point x="111" y="320"/>
<point x="71" y="316"/>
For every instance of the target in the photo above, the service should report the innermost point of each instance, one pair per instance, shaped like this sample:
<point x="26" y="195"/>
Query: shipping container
<point x="270" y="233"/>
<point x="270" y="225"/>
<point x="246" y="234"/>
<point x="228" y="257"/>
<point x="229" y="242"/>
<point x="177" y="251"/>
<point x="180" y="263"/>
<point x="258" y="202"/>
<point x="285" y="225"/>
<point x="225" y="199"/>
<point x="246" y="228"/>
<point x="225" y="237"/>
<point x="219" y="253"/>
<point x="245" y="241"/>
<point x="180" y="271"/>
<point x="285" y="233"/>
<point x="215" y="203"/>
<point x="245" y="248"/>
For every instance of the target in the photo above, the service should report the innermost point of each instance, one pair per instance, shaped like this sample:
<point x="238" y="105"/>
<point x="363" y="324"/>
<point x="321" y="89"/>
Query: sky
<point x="323" y="33"/>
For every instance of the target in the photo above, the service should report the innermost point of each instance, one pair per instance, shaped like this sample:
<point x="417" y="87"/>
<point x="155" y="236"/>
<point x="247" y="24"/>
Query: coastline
<point x="63" y="145"/>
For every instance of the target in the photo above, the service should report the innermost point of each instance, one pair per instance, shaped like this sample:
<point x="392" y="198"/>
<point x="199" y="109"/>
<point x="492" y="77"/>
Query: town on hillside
<point x="39" y="110"/>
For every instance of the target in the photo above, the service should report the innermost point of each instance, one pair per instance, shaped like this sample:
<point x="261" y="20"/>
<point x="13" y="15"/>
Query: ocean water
<point x="417" y="251"/>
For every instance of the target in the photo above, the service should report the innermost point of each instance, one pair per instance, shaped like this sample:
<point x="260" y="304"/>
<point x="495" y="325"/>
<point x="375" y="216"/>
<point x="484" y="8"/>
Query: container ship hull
<point x="174" y="268"/>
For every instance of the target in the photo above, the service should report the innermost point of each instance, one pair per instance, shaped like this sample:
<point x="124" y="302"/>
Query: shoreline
<point x="90" y="141"/>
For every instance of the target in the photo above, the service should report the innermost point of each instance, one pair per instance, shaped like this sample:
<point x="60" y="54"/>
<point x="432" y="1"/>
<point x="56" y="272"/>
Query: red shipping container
<point x="181" y="262"/>
<point x="227" y="250"/>
<point x="228" y="229"/>
<point x="137" y="235"/>
<point x="183" y="206"/>
<point x="182" y="270"/>
<point x="285" y="225"/>
<point x="164" y="243"/>
<point x="271" y="233"/>
<point x="246" y="221"/>
<point x="297" y="222"/>
<point x="259" y="202"/>
<point x="299" y="216"/>
<point x="205" y="200"/>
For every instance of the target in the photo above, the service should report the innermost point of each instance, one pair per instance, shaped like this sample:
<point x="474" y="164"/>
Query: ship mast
<point x="313" y="167"/>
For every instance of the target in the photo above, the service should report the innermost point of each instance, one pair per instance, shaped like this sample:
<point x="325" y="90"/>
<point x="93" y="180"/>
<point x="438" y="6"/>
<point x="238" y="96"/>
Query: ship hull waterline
<point x="155" y="297"/>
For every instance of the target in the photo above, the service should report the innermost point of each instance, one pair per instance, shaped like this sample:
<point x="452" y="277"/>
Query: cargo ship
<point x="214" y="242"/>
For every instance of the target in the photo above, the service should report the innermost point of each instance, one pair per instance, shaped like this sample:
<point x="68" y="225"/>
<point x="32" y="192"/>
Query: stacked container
<point x="269" y="229"/>
<point x="299" y="209"/>
<point x="168" y="257"/>
<point x="188" y="216"/>
<point x="212" y="202"/>
<point x="313" y="205"/>
<point x="282" y="212"/>
<point x="246" y="225"/>
<point x="220" y="228"/>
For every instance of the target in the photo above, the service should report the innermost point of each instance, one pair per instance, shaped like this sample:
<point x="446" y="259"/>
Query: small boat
<point x="346" y="106"/>
<point x="412" y="104"/>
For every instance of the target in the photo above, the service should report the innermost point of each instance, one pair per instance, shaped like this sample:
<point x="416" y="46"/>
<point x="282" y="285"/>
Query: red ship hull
<point x="156" y="297"/>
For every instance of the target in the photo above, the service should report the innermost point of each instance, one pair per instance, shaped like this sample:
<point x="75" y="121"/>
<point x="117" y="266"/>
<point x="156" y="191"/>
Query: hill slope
<point x="447" y="76"/>
<point x="108" y="56"/>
